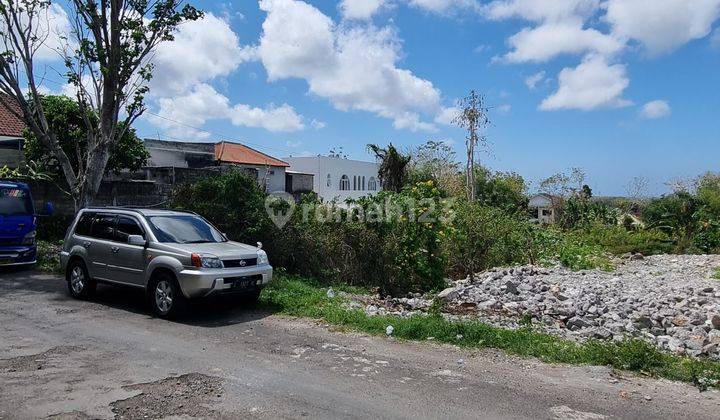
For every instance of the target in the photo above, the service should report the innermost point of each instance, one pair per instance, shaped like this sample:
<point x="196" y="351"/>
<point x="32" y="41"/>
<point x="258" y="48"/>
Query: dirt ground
<point x="108" y="358"/>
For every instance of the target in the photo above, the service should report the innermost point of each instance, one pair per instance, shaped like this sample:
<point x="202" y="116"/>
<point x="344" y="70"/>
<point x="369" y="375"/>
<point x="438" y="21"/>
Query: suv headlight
<point x="29" y="239"/>
<point x="206" y="261"/>
<point x="262" y="257"/>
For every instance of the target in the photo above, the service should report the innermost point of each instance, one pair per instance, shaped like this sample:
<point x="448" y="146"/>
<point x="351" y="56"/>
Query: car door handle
<point x="115" y="250"/>
<point x="86" y="244"/>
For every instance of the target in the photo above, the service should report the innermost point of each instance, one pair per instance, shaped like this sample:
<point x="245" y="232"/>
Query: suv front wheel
<point x="80" y="285"/>
<point x="165" y="295"/>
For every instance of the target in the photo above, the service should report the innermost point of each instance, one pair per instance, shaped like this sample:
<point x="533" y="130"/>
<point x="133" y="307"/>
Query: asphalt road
<point x="62" y="358"/>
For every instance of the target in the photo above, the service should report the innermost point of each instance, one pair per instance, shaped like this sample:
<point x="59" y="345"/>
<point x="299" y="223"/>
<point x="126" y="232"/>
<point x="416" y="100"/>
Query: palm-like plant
<point x="393" y="166"/>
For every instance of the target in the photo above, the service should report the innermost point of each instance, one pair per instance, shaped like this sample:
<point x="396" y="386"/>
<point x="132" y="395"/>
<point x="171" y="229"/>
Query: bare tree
<point x="636" y="188"/>
<point x="107" y="62"/>
<point x="474" y="118"/>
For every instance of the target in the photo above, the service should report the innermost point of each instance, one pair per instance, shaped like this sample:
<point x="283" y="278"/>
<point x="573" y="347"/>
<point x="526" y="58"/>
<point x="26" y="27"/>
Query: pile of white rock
<point x="672" y="301"/>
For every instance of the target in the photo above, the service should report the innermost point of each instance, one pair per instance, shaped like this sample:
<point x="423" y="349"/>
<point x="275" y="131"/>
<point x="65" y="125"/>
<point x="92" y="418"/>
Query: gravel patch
<point x="186" y="395"/>
<point x="671" y="301"/>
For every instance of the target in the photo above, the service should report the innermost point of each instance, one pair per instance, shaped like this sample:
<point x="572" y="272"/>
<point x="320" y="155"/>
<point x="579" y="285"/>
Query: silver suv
<point x="173" y="256"/>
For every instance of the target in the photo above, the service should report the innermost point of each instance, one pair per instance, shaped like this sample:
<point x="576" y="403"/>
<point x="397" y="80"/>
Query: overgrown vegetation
<point x="410" y="241"/>
<point x="299" y="297"/>
<point x="690" y="216"/>
<point x="48" y="256"/>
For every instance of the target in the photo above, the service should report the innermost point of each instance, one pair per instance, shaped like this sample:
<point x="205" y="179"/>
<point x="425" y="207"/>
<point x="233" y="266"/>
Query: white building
<point x="544" y="208"/>
<point x="337" y="178"/>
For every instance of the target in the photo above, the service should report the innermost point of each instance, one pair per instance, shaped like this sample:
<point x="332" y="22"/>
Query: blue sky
<point x="622" y="88"/>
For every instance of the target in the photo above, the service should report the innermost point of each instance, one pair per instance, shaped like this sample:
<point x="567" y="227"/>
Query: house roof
<point x="239" y="153"/>
<point x="10" y="125"/>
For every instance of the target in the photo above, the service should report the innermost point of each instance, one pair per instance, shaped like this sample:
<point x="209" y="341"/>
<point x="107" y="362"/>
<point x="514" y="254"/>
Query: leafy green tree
<point x="65" y="118"/>
<point x="393" y="166"/>
<point x="107" y="56"/>
<point x="505" y="190"/>
<point x="436" y="161"/>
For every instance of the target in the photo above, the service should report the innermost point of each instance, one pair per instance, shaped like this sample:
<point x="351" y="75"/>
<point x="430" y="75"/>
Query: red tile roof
<point x="238" y="153"/>
<point x="10" y="125"/>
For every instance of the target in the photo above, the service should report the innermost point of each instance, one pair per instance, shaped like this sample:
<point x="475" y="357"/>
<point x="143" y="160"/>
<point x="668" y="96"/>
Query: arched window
<point x="363" y="183"/>
<point x="372" y="184"/>
<point x="329" y="181"/>
<point x="355" y="182"/>
<point x="344" y="183"/>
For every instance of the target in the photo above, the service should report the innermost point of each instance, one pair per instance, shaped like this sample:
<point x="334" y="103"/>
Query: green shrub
<point x="48" y="256"/>
<point x="617" y="240"/>
<point x="53" y="228"/>
<point x="391" y="241"/>
<point x="579" y="212"/>
<point x="233" y="202"/>
<point x="480" y="237"/>
<point x="551" y="245"/>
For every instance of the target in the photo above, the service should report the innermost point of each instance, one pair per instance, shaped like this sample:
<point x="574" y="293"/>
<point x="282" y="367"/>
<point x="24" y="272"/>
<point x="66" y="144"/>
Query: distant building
<point x="544" y="208"/>
<point x="269" y="171"/>
<point x="336" y="178"/>
<point x="11" y="134"/>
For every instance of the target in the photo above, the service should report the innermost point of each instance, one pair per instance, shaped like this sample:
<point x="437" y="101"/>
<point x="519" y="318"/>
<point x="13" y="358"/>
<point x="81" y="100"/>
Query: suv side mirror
<point x="136" y="240"/>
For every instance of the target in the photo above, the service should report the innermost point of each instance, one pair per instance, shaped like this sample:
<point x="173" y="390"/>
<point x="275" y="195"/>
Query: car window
<point x="127" y="226"/>
<point x="103" y="227"/>
<point x="184" y="230"/>
<point x="84" y="224"/>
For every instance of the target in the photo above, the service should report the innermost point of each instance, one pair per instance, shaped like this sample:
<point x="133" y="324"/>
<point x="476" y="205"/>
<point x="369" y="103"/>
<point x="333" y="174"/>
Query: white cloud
<point x="318" y="125"/>
<point x="715" y="39"/>
<point x="540" y="10"/>
<point x="274" y="118"/>
<point x="549" y="40"/>
<point x="504" y="109"/>
<point x="53" y="31"/>
<point x="655" y="109"/>
<point x="204" y="103"/>
<point x="202" y="50"/>
<point x="293" y="144"/>
<point x="444" y="6"/>
<point x="353" y="67"/>
<point x="591" y="85"/>
<point x="360" y="9"/>
<point x="532" y="81"/>
<point x="662" y="25"/>
<point x="447" y="115"/>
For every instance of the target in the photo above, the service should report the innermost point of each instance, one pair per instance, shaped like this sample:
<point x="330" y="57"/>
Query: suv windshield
<point x="184" y="230"/>
<point x="15" y="201"/>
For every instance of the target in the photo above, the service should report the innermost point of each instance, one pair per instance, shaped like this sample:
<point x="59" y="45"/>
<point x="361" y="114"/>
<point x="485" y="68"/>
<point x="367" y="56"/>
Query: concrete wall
<point x="150" y="187"/>
<point x="322" y="166"/>
<point x="180" y="154"/>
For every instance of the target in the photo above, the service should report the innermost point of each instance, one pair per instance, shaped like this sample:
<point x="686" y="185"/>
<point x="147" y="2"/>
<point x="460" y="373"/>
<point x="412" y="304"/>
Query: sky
<point x="620" y="88"/>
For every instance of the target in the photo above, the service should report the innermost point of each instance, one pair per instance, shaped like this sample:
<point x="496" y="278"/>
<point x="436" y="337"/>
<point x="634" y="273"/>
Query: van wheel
<point x="166" y="298"/>
<point x="80" y="285"/>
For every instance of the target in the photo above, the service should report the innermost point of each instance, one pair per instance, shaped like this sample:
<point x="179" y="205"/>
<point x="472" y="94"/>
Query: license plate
<point x="243" y="284"/>
<point x="6" y="261"/>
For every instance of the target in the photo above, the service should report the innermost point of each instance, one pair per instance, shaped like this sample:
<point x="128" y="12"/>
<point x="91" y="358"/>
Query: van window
<point x="127" y="226"/>
<point x="103" y="227"/>
<point x="15" y="202"/>
<point x="84" y="224"/>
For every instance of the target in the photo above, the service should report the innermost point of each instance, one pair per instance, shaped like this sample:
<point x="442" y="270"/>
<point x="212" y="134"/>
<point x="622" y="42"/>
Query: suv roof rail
<point x="134" y="209"/>
<point x="101" y="208"/>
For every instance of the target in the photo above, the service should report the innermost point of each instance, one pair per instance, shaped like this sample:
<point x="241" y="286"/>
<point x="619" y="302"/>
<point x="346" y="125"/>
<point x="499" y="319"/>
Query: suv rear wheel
<point x="165" y="295"/>
<point x="80" y="285"/>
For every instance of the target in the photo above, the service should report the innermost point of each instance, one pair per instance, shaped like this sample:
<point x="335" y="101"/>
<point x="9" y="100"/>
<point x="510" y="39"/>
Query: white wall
<point x="321" y="166"/>
<point x="275" y="176"/>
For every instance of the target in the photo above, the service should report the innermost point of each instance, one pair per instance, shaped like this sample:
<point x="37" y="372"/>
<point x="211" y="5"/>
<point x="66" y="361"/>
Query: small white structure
<point x="543" y="208"/>
<point x="337" y="178"/>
